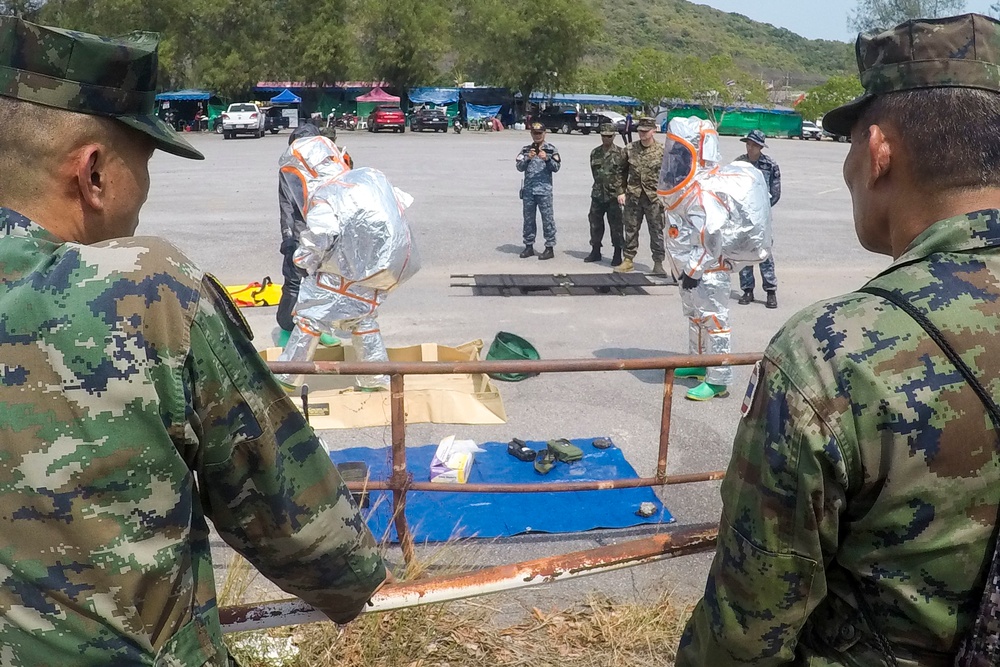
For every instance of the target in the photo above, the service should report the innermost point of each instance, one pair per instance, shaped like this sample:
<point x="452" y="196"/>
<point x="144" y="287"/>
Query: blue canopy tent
<point x="286" y="97"/>
<point x="563" y="99"/>
<point x="188" y="95"/>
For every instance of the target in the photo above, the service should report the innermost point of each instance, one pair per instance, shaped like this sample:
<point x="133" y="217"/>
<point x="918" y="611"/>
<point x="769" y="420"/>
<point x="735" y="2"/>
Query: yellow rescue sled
<point x="261" y="293"/>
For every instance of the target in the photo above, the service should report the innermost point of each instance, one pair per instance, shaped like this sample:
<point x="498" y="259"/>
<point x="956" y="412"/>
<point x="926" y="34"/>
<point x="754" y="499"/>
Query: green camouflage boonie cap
<point x="76" y="71"/>
<point x="607" y="130"/>
<point x="954" y="52"/>
<point x="646" y="123"/>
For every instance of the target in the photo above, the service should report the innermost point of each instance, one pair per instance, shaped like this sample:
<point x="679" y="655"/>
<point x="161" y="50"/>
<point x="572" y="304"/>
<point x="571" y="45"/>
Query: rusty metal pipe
<point x="600" y="485"/>
<point x="665" y="413"/>
<point x="698" y="538"/>
<point x="540" y="366"/>
<point x="400" y="477"/>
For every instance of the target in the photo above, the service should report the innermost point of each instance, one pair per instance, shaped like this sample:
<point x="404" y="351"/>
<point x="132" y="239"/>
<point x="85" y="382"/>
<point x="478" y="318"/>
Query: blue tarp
<point x="586" y="98"/>
<point x="474" y="111"/>
<point x="286" y="97"/>
<point x="437" y="516"/>
<point x="439" y="96"/>
<point x="184" y="95"/>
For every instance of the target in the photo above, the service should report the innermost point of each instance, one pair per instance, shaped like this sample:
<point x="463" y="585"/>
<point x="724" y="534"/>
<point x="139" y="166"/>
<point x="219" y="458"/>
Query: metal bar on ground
<point x="665" y="413"/>
<point x="695" y="539"/>
<point x="533" y="487"/>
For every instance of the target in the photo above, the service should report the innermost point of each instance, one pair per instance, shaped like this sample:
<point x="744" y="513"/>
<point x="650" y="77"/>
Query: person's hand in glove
<point x="288" y="245"/>
<point x="687" y="282"/>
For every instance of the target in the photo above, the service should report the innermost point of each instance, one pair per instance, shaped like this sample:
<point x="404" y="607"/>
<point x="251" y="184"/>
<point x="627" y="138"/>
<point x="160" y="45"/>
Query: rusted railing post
<point x="400" y="480"/>
<point x="668" y="404"/>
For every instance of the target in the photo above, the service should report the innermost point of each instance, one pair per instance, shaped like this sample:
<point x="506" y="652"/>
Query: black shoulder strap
<point x="981" y="645"/>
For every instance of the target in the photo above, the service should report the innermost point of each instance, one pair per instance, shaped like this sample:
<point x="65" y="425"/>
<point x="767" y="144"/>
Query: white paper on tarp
<point x="453" y="459"/>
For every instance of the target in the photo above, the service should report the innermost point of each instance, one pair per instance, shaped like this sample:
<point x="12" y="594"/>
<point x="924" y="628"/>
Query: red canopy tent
<point x="378" y="96"/>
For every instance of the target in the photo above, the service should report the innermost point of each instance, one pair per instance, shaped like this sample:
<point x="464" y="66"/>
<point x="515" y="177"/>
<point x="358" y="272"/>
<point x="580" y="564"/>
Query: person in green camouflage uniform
<point x="860" y="506"/>
<point x="642" y="176"/>
<point x="607" y="164"/>
<point x="133" y="405"/>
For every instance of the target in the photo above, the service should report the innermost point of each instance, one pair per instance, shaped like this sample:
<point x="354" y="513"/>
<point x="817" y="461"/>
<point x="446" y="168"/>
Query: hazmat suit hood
<point x="691" y="148"/>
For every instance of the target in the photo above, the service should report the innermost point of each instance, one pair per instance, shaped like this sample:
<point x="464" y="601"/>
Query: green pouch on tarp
<point x="509" y="347"/>
<point x="564" y="450"/>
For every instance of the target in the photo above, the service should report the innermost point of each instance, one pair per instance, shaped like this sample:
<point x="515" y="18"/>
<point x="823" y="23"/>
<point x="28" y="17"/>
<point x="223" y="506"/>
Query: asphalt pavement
<point x="466" y="215"/>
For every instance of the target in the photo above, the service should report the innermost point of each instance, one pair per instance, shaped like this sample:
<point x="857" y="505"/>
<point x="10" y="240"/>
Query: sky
<point x="815" y="19"/>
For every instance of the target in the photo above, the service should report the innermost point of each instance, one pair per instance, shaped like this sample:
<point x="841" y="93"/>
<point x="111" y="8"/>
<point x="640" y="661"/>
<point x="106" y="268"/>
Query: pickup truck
<point x="243" y="118"/>
<point x="565" y="120"/>
<point x="274" y="120"/>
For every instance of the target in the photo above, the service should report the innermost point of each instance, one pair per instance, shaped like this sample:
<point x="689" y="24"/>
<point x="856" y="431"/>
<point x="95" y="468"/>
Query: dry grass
<point x="598" y="633"/>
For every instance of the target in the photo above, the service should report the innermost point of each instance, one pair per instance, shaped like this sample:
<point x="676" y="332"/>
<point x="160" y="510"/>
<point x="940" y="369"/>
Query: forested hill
<point x="684" y="28"/>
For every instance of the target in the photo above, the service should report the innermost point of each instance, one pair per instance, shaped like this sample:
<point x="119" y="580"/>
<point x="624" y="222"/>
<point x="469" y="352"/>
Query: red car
<point x="382" y="118"/>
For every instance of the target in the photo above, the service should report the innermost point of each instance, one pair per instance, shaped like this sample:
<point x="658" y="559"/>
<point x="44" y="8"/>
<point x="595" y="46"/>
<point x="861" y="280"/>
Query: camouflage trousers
<point x="766" y="276"/>
<point x="637" y="208"/>
<point x="611" y="208"/>
<point x="707" y="309"/>
<point x="543" y="203"/>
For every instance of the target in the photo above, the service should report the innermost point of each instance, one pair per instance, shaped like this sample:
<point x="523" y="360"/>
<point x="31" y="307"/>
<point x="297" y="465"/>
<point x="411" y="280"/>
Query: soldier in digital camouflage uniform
<point x="643" y="159"/>
<point x="860" y="505"/>
<point x="538" y="161"/>
<point x="607" y="164"/>
<point x="755" y="143"/>
<point x="133" y="405"/>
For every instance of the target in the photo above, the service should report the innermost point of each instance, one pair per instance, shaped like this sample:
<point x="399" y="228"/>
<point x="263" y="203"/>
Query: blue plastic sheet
<point x="474" y="111"/>
<point x="438" y="516"/>
<point x="438" y="96"/>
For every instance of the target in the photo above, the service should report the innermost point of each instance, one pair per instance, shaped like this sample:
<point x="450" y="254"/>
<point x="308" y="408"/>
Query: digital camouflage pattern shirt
<point x="132" y="408"/>
<point x="865" y="468"/>
<point x="771" y="171"/>
<point x="608" y="168"/>
<point x="537" y="171"/>
<point x="642" y="169"/>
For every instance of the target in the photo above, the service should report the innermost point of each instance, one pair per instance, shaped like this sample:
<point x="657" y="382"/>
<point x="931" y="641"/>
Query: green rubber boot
<point x="706" y="392"/>
<point x="696" y="373"/>
<point x="282" y="339"/>
<point x="326" y="340"/>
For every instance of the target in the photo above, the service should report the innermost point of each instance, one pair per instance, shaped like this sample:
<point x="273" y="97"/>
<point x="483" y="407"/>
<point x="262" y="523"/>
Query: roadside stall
<point x="441" y="98"/>
<point x="190" y="109"/>
<point x="367" y="103"/>
<point x="287" y="104"/>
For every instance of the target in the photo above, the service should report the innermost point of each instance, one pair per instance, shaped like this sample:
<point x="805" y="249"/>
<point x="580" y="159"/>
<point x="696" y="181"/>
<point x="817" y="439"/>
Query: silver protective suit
<point x="356" y="248"/>
<point x="714" y="220"/>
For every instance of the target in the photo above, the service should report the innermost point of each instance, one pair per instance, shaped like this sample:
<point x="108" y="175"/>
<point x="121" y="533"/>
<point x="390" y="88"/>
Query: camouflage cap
<point x="954" y="52"/>
<point x="755" y="136"/>
<point x="608" y="130"/>
<point x="646" y="123"/>
<point x="76" y="71"/>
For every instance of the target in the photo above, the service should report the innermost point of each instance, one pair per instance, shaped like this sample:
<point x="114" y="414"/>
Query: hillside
<point x="684" y="28"/>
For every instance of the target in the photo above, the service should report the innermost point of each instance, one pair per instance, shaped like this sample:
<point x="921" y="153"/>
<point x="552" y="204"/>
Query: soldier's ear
<point x="89" y="167"/>
<point x="880" y="154"/>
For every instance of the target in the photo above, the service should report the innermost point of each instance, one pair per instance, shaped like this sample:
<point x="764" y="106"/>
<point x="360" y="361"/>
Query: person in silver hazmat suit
<point x="718" y="217"/>
<point x="356" y="248"/>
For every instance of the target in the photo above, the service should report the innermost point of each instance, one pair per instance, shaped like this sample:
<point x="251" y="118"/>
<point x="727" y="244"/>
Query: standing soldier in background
<point x="643" y="159"/>
<point x="755" y="144"/>
<point x="135" y="407"/>
<point x="607" y="163"/>
<point x="538" y="161"/>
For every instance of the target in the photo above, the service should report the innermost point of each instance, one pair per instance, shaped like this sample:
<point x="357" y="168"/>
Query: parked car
<point x="274" y="120"/>
<point x="612" y="117"/>
<point x="566" y="119"/>
<point x="243" y="118"/>
<point x="811" y="131"/>
<point x="836" y="137"/>
<point x="382" y="118"/>
<point x="429" y="119"/>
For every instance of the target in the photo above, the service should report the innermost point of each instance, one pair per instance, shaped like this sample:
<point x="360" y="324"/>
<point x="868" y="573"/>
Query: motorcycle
<point x="457" y="126"/>
<point x="347" y="122"/>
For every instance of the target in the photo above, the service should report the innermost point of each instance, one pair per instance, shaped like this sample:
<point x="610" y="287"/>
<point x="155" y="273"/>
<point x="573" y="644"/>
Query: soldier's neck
<point x="915" y="213"/>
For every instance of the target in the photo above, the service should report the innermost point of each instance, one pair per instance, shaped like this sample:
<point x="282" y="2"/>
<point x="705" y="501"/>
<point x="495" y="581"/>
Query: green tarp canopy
<point x="739" y="121"/>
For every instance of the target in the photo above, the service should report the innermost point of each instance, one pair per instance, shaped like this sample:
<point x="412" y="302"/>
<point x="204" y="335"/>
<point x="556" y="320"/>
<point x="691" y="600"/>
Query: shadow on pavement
<point x="650" y="376"/>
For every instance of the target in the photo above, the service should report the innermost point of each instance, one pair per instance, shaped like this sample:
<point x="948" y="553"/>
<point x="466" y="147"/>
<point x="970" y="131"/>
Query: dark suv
<point x="429" y="119"/>
<point x="565" y="120"/>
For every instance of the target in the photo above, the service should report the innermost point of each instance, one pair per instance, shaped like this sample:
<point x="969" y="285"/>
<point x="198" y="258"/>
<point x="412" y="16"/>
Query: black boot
<point x="528" y="251"/>
<point x="548" y="254"/>
<point x="772" y="300"/>
<point x="617" y="259"/>
<point x="594" y="256"/>
<point x="747" y="297"/>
